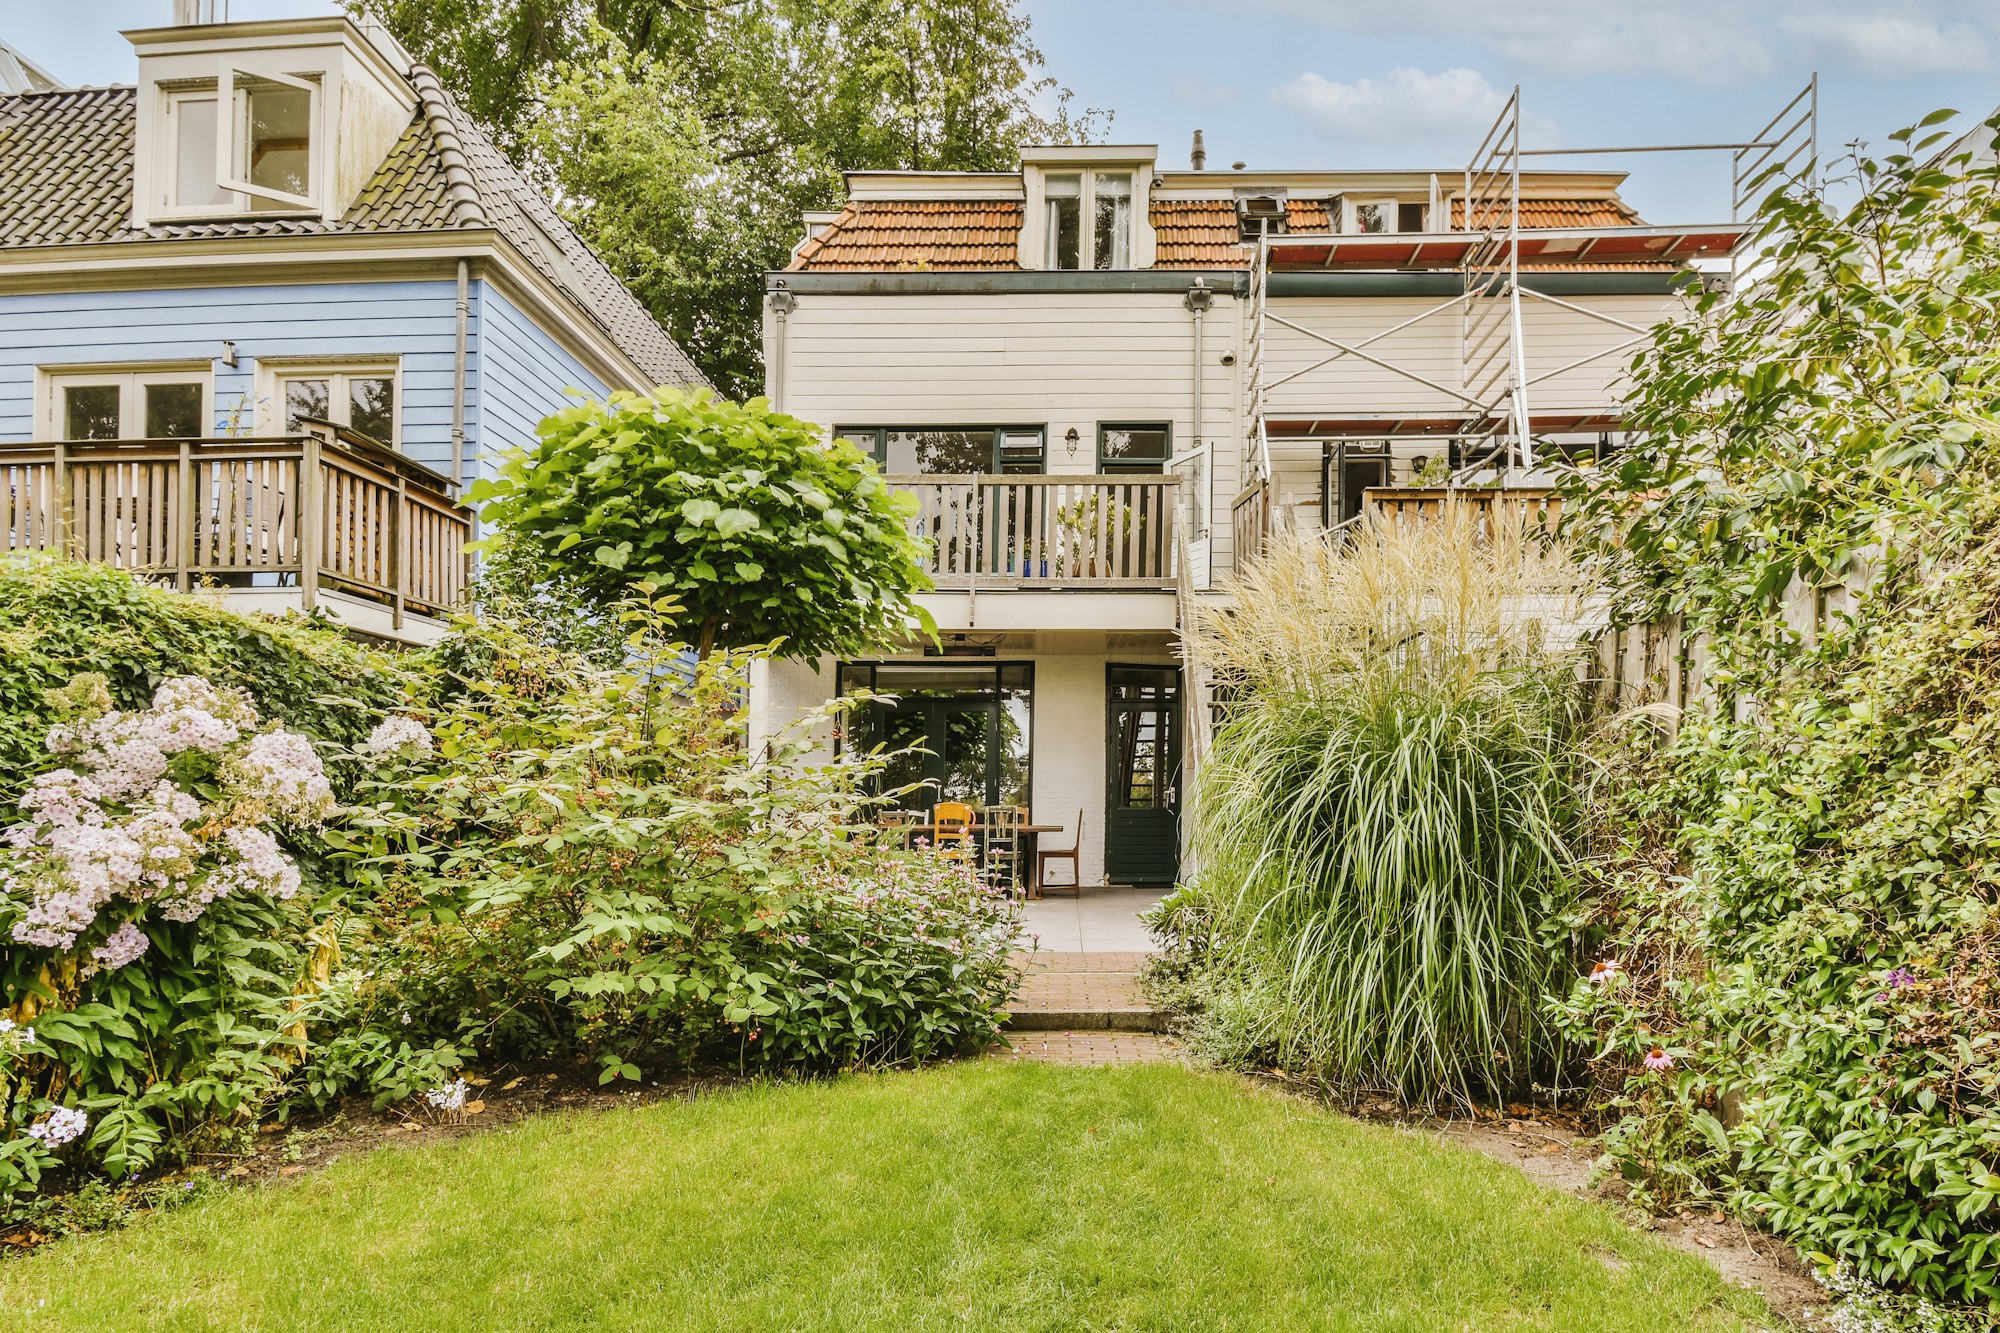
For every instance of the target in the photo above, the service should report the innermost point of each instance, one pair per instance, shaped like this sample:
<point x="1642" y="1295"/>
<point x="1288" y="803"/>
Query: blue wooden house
<point x="265" y="312"/>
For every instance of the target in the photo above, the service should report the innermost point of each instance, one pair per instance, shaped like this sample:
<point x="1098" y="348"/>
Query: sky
<point x="1406" y="83"/>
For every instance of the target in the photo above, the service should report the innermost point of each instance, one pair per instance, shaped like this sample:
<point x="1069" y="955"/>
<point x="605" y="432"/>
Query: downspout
<point x="1198" y="300"/>
<point x="783" y="303"/>
<point x="458" y="370"/>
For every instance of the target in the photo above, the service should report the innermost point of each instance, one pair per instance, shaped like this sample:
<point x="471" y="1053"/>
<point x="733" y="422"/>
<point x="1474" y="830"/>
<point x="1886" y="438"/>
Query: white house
<point x="1108" y="380"/>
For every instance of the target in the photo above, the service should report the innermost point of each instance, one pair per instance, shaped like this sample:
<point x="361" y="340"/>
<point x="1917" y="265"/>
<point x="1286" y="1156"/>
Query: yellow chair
<point x="951" y="830"/>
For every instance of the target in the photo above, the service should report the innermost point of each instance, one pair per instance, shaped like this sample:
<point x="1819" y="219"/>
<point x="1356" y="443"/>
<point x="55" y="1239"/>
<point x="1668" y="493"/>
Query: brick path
<point x="1085" y="1009"/>
<point x="1088" y="1048"/>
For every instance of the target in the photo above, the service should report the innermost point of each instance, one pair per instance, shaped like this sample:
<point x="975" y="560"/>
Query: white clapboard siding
<point x="1059" y="360"/>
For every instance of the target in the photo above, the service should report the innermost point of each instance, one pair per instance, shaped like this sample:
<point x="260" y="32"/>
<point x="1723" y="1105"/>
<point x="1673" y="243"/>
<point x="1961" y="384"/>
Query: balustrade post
<point x="312" y="514"/>
<point x="59" y="502"/>
<point x="186" y="517"/>
<point x="398" y="529"/>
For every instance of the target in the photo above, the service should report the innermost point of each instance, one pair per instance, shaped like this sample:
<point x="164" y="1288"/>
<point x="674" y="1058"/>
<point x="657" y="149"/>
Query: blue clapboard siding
<point x="414" y="321"/>
<point x="525" y="375"/>
<point x="517" y="373"/>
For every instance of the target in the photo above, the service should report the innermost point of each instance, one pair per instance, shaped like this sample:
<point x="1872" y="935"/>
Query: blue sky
<point x="1360" y="83"/>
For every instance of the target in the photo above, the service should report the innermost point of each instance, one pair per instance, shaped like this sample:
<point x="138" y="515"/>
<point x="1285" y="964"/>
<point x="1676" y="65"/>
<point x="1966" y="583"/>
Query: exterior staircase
<point x="1072" y="992"/>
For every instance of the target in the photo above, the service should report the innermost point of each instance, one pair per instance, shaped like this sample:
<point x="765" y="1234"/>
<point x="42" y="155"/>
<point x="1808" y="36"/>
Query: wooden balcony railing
<point x="1537" y="504"/>
<point x="1250" y="521"/>
<point x="323" y="510"/>
<point x="1103" y="531"/>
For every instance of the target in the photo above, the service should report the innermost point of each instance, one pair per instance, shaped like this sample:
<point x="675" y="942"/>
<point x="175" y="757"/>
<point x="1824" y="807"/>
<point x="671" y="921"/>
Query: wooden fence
<point x="320" y="510"/>
<point x="1104" y="531"/>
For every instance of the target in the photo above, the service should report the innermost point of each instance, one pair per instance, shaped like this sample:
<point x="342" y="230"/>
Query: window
<point x="1385" y="216"/>
<point x="1111" y="243"/>
<point x="363" y="399"/>
<point x="151" y="404"/>
<point x="957" y="450"/>
<point x="974" y="726"/>
<point x="1063" y="197"/>
<point x="1133" y="447"/>
<point x="1102" y="197"/>
<point x="243" y="144"/>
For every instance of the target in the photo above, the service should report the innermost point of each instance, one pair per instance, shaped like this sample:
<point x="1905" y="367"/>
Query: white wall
<point x="1553" y="336"/>
<point x="1062" y="360"/>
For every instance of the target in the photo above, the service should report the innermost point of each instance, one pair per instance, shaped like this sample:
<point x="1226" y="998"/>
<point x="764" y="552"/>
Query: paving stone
<point x="1089" y="1048"/>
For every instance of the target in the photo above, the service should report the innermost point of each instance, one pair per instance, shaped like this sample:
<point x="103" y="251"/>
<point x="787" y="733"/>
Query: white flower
<point x="398" y="732"/>
<point x="450" y="1097"/>
<point x="122" y="946"/>
<point x="63" y="1124"/>
<point x="283" y="770"/>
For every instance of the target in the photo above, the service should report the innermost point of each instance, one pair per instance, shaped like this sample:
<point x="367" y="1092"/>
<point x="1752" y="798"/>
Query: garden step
<point x="1064" y="992"/>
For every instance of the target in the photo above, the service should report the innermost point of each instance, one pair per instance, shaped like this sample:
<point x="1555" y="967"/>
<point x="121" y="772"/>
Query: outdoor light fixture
<point x="229" y="353"/>
<point x="1070" y="440"/>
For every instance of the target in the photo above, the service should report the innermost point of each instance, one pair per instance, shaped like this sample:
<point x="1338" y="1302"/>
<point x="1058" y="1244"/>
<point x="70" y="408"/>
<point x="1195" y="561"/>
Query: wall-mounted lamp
<point x="1070" y="440"/>
<point x="229" y="353"/>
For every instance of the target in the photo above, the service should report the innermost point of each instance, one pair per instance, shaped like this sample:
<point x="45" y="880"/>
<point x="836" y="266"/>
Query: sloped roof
<point x="66" y="164"/>
<point x="925" y="235"/>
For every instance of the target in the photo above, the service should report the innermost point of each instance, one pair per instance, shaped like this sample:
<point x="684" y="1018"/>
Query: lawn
<point x="979" y="1196"/>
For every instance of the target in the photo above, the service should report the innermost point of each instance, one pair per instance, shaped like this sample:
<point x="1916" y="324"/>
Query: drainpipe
<point x="458" y="376"/>
<point x="1198" y="300"/>
<point x="783" y="303"/>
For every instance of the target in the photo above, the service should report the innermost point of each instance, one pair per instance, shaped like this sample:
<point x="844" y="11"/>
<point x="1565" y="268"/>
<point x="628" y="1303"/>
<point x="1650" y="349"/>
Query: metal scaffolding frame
<point x="1486" y="240"/>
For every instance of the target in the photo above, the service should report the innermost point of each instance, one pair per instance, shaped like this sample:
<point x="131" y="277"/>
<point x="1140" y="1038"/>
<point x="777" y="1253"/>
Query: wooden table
<point x="1031" y="877"/>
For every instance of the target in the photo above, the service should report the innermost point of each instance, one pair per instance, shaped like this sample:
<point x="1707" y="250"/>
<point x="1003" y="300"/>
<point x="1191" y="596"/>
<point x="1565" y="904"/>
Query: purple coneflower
<point x="1657" y="1059"/>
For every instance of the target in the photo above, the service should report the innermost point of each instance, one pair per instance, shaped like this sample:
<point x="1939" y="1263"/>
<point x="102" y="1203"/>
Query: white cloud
<point x="1195" y="90"/>
<point x="1404" y="106"/>
<point x="1891" y="46"/>
<point x="1712" y="42"/>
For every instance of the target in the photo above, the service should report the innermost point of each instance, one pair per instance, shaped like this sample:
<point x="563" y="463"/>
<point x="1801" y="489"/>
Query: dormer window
<point x="245" y="143"/>
<point x="1105" y="197"/>
<point x="1373" y="217"/>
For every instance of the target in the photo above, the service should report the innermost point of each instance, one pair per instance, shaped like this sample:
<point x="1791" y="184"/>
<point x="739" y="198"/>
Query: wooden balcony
<point x="1094" y="531"/>
<point x="1253" y="520"/>
<point x="324" y="512"/>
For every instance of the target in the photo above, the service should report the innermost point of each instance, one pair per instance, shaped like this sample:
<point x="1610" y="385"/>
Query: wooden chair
<point x="1000" y="857"/>
<point x="1045" y="855"/>
<point x="895" y="826"/>
<point x="952" y="829"/>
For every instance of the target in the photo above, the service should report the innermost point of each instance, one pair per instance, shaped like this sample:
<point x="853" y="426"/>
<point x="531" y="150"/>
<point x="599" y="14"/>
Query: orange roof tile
<point x="898" y="235"/>
<point x="982" y="235"/>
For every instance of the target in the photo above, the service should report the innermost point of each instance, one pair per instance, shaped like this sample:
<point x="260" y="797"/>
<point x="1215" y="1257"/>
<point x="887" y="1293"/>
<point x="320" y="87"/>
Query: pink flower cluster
<point x="114" y="825"/>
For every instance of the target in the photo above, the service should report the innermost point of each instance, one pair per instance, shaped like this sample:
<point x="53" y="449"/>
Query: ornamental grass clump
<point x="1382" y="826"/>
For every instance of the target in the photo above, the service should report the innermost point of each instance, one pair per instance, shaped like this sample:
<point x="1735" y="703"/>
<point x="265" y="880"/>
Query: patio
<point x="1101" y="920"/>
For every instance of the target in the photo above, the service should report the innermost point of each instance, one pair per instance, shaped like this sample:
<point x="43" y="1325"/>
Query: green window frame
<point x="1114" y="456"/>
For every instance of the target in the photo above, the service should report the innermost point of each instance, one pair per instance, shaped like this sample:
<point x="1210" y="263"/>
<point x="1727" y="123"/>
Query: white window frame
<point x="165" y="166"/>
<point x="131" y="381"/>
<point x="1350" y="215"/>
<point x="1086" y="197"/>
<point x="229" y="118"/>
<point x="272" y="376"/>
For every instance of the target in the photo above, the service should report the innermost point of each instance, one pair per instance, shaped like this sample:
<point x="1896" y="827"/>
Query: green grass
<point x="980" y="1196"/>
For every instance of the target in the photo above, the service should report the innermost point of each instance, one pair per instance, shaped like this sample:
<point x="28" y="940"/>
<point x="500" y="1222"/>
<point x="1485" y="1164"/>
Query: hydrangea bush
<point x="145" y="869"/>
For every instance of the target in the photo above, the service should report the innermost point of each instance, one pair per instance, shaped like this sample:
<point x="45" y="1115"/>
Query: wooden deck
<point x="1099" y="531"/>
<point x="323" y="510"/>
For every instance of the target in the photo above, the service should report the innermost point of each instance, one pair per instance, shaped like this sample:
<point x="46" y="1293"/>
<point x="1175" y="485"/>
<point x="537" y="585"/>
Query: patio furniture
<point x="1001" y="838"/>
<point x="951" y="822"/>
<point x="898" y="826"/>
<point x="1045" y="855"/>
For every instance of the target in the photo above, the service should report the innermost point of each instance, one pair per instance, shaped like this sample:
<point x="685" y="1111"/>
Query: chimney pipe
<point x="192" y="13"/>
<point x="1198" y="159"/>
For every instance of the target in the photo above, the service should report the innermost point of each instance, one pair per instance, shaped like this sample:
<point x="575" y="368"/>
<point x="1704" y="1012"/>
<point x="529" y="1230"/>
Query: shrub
<point x="594" y="866"/>
<point x="60" y="618"/>
<point x="152" y="937"/>
<point x="1382" y="823"/>
<point x="1804" y="1015"/>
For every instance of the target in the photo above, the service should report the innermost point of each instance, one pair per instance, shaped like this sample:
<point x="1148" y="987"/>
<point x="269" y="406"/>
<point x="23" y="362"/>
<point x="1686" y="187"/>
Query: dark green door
<point x="1142" y="835"/>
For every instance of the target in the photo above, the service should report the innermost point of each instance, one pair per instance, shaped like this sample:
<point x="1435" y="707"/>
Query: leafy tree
<point x="684" y="139"/>
<point x="761" y="530"/>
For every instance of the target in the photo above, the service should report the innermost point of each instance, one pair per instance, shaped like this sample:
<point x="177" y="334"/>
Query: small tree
<point x="764" y="531"/>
